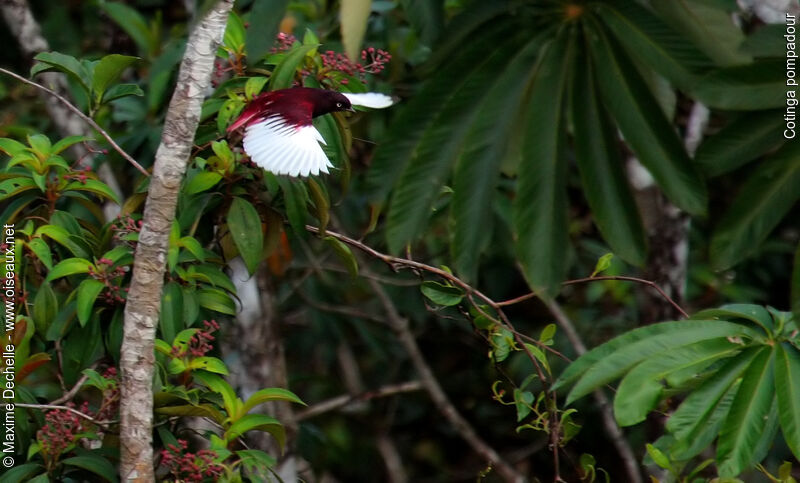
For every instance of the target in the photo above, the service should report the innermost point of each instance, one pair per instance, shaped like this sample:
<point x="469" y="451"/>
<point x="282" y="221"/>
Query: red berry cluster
<point x="200" y="343"/>
<point x="376" y="61"/>
<point x="191" y="467"/>
<point x="112" y="292"/>
<point x="283" y="42"/>
<point x="110" y="404"/>
<point x="60" y="431"/>
<point x="122" y="227"/>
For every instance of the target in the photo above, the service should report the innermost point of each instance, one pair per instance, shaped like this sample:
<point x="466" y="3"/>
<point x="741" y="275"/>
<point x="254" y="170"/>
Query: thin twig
<point x="72" y="392"/>
<point x="103" y="424"/>
<point x="346" y="399"/>
<point x="609" y="423"/>
<point x="83" y="116"/>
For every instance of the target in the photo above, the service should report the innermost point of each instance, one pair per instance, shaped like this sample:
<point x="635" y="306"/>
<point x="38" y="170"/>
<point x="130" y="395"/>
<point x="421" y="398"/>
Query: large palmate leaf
<point x="763" y="201"/>
<point x="739" y="367"/>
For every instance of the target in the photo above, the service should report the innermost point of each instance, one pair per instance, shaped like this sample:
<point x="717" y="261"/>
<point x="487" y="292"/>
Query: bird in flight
<point x="279" y="135"/>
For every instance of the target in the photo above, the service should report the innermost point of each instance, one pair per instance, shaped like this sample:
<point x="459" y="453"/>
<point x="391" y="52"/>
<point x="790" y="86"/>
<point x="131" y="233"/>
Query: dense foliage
<point x="507" y="158"/>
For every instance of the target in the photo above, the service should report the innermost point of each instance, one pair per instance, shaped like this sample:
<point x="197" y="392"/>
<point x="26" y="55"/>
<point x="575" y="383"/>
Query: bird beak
<point x="351" y="109"/>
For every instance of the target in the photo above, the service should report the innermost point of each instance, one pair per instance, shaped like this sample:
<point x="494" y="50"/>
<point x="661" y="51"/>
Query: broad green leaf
<point x="64" y="63"/>
<point x="787" y="389"/>
<point x="746" y="419"/>
<point x="353" y="15"/>
<point x="194" y="247"/>
<point x="706" y="430"/>
<point x="132" y="22"/>
<point x="641" y="389"/>
<point x="217" y="384"/>
<point x="42" y="251"/>
<point x="344" y="254"/>
<point x="108" y="72"/>
<point x="61" y="236"/>
<point x="766" y="197"/>
<point x="14" y="186"/>
<point x="215" y="276"/>
<point x="244" y="224"/>
<point x="45" y="307"/>
<point x="658" y="457"/>
<point x="259" y="422"/>
<point x="295" y="197"/>
<point x="644" y="126"/>
<point x="122" y="90"/>
<point x="69" y="266"/>
<point x="202" y="181"/>
<point x="171" y="318"/>
<point x="11" y="147"/>
<point x="191" y="410"/>
<point x="253" y="86"/>
<point x="210" y="364"/>
<point x="322" y="204"/>
<point x="40" y="145"/>
<point x="66" y="143"/>
<point x="234" y="34"/>
<point x="266" y="14"/>
<point x="256" y="461"/>
<point x="88" y="290"/>
<point x="440" y="294"/>
<point x="708" y="28"/>
<point x="93" y="186"/>
<point x="478" y="167"/>
<point x="22" y="473"/>
<point x="414" y="118"/>
<point x="651" y="41"/>
<point x="742" y="140"/>
<point x="426" y="17"/>
<point x="94" y="463"/>
<point x="754" y="313"/>
<point x="602" y="169"/>
<point x="216" y="300"/>
<point x="540" y="205"/>
<point x="283" y="75"/>
<point x="266" y="395"/>
<point x="756" y="86"/>
<point x="614" y="358"/>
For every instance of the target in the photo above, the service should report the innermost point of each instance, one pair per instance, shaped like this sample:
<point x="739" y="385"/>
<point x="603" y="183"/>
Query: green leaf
<point x="215" y="276"/>
<point x="523" y="401"/>
<point x="614" y="358"/>
<point x="283" y="75"/>
<point x="42" y="251"/>
<point x="540" y="206"/>
<point x="254" y="86"/>
<point x="787" y="389"/>
<point x="294" y="197"/>
<point x="244" y="224"/>
<point x="438" y="150"/>
<point x="644" y="126"/>
<point x="66" y="143"/>
<point x="217" y="384"/>
<point x="602" y="169"/>
<point x="266" y="395"/>
<point x="108" y="72"/>
<point x="746" y="419"/>
<point x="641" y="389"/>
<point x="603" y="264"/>
<point x="210" y="364"/>
<point x="122" y="90"/>
<point x="266" y="14"/>
<point x="322" y="204"/>
<point x="353" y="15"/>
<point x="93" y="186"/>
<point x="651" y="41"/>
<point x="191" y="410"/>
<point x="22" y="473"/>
<point x="88" y="290"/>
<point x="61" y="236"/>
<point x="134" y="24"/>
<point x="11" y="147"/>
<point x="202" y="181"/>
<point x="259" y="422"/>
<point x="171" y="319"/>
<point x="750" y="312"/>
<point x="344" y="254"/>
<point x="14" y="186"/>
<point x="40" y="145"/>
<point x="94" y="463"/>
<point x="234" y="34"/>
<point x="756" y="86"/>
<point x="439" y="294"/>
<point x="45" y="307"/>
<point x="426" y="17"/>
<point x="69" y="266"/>
<point x="762" y="202"/>
<point x="658" y="457"/>
<point x="478" y="167"/>
<point x="194" y="247"/>
<point x="63" y="63"/>
<point x="742" y="140"/>
<point x="414" y="118"/>
<point x="216" y="300"/>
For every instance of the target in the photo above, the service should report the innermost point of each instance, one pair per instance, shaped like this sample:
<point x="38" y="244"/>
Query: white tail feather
<point x="369" y="99"/>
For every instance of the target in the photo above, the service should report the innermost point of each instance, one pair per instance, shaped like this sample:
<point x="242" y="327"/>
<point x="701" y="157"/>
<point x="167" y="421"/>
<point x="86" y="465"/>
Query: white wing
<point x="369" y="99"/>
<point x="284" y="149"/>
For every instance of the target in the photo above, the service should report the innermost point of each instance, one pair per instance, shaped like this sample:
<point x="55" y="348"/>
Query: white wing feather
<point x="283" y="149"/>
<point x="369" y="99"/>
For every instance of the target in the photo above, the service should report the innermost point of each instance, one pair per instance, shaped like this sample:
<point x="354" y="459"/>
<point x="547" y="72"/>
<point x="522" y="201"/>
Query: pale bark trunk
<point x="144" y="299"/>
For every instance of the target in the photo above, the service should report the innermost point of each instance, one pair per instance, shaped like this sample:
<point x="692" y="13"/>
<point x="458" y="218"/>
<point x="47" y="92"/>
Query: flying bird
<point x="278" y="133"/>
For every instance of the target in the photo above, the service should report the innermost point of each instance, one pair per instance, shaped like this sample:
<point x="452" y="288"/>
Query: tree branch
<point x="83" y="116"/>
<point x="144" y="300"/>
<point x="346" y="399"/>
<point x="42" y="407"/>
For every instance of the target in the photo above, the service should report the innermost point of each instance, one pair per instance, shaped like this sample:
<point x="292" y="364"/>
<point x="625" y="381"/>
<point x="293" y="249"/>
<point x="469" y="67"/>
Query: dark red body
<point x="297" y="106"/>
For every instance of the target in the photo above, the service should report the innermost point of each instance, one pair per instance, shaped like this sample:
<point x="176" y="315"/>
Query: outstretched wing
<point x="281" y="148"/>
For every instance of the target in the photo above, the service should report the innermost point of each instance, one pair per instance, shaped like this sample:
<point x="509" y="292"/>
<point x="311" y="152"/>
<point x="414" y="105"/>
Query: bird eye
<point x="338" y="104"/>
